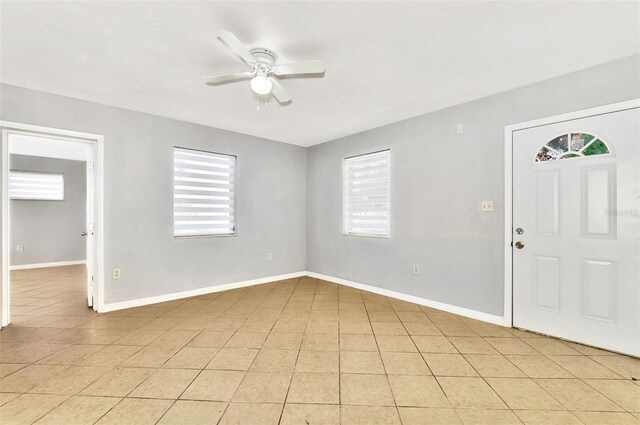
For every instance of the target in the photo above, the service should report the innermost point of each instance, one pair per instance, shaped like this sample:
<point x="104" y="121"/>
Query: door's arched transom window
<point x="572" y="145"/>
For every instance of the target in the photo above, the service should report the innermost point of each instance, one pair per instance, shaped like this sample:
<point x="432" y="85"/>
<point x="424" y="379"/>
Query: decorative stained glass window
<point x="572" y="145"/>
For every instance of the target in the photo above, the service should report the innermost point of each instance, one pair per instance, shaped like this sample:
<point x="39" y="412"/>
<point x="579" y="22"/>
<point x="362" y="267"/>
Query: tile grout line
<point x="102" y="330"/>
<point x="284" y="404"/>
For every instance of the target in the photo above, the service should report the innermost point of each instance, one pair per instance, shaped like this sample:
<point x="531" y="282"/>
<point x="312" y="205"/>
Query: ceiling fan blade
<point x="235" y="45"/>
<point x="308" y="67"/>
<point x="279" y="92"/>
<point x="227" y="78"/>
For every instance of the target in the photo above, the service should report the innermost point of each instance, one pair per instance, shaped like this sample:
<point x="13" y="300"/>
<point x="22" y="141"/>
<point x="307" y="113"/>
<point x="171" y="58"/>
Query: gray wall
<point x="138" y="197"/>
<point x="50" y="230"/>
<point x="438" y="181"/>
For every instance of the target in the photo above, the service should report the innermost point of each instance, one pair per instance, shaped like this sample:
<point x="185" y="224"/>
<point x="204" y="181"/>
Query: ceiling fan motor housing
<point x="264" y="57"/>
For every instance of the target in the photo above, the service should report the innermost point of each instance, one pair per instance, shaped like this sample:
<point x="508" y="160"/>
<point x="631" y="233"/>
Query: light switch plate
<point x="486" y="206"/>
<point x="269" y="256"/>
<point x="459" y="128"/>
<point x="20" y="248"/>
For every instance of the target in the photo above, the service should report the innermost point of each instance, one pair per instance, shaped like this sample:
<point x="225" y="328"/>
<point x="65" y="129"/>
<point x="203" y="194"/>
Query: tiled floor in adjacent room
<point x="300" y="351"/>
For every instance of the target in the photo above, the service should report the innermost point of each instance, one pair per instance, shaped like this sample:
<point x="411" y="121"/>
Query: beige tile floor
<point x="300" y="351"/>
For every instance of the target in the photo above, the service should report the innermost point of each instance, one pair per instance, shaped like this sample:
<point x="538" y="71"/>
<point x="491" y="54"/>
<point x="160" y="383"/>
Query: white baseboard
<point x="43" y="265"/>
<point x="478" y="315"/>
<point x="473" y="314"/>
<point x="138" y="302"/>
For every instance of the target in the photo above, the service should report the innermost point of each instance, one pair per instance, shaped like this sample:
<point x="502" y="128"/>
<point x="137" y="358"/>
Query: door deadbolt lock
<point x="519" y="245"/>
<point x="519" y="230"/>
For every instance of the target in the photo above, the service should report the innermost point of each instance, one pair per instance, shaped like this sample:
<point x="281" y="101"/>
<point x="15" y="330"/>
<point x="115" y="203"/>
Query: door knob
<point x="519" y="245"/>
<point x="83" y="234"/>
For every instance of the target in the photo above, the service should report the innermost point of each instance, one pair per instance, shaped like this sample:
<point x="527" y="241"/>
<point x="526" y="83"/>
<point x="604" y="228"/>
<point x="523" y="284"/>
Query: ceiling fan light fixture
<point x="264" y="72"/>
<point x="261" y="84"/>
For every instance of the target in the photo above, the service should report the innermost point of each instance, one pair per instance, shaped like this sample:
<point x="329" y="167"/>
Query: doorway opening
<point x="52" y="222"/>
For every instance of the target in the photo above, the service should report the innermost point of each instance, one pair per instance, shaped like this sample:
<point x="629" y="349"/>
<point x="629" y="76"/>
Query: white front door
<point x="576" y="230"/>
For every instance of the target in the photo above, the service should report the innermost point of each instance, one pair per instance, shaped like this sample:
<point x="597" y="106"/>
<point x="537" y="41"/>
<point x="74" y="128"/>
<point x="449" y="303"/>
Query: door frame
<point x="508" y="184"/>
<point x="97" y="141"/>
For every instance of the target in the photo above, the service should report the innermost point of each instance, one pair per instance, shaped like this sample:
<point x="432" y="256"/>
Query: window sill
<point x="205" y="236"/>
<point x="367" y="236"/>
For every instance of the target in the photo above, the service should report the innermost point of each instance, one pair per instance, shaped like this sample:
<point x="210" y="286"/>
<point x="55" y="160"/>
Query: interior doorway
<point x="52" y="219"/>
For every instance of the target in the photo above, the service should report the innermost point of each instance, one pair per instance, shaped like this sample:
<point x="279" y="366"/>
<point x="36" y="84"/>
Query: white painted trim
<point x="4" y="320"/>
<point x="138" y="302"/>
<point x="473" y="314"/>
<point x="51" y="147"/>
<point x="50" y="131"/>
<point x="508" y="184"/>
<point x="478" y="315"/>
<point x="98" y="161"/>
<point x="43" y="265"/>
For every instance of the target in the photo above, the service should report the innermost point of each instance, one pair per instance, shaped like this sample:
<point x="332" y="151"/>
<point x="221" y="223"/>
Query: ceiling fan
<point x="264" y="70"/>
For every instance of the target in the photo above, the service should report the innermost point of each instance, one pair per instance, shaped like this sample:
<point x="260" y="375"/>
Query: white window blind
<point x="367" y="194"/>
<point x="36" y="186"/>
<point x="203" y="193"/>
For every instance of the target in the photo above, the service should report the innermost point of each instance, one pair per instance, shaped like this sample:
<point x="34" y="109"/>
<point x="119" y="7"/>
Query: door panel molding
<point x="598" y="302"/>
<point x="547" y="283"/>
<point x="547" y="210"/>
<point x="598" y="201"/>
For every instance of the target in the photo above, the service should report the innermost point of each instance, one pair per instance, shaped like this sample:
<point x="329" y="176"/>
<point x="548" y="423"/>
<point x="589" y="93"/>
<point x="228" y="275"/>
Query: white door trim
<point x="97" y="140"/>
<point x="508" y="185"/>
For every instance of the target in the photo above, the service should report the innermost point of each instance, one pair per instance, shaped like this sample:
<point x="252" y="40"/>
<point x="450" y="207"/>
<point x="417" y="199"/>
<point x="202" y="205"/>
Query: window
<point x="37" y="186"/>
<point x="203" y="193"/>
<point x="572" y="145"/>
<point x="367" y="199"/>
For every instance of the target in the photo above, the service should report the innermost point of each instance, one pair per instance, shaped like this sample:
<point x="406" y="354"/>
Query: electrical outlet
<point x="20" y="248"/>
<point x="269" y="256"/>
<point x="116" y="274"/>
<point x="486" y="206"/>
<point x="416" y="269"/>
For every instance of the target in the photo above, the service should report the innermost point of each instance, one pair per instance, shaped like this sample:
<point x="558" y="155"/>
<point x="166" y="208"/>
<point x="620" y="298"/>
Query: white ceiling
<point x="386" y="61"/>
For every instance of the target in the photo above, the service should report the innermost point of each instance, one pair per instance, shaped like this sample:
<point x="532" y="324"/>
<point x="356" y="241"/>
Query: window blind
<point x="203" y="193"/>
<point x="367" y="194"/>
<point x="36" y="186"/>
